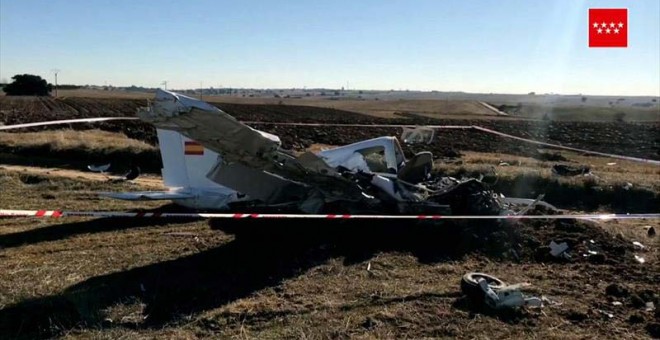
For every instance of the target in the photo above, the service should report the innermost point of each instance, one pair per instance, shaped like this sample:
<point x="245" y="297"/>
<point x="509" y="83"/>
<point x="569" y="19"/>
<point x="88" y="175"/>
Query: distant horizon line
<point x="531" y="93"/>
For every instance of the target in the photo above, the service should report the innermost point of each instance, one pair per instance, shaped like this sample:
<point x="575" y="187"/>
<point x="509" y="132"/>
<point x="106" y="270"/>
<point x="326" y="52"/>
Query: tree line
<point x="28" y="85"/>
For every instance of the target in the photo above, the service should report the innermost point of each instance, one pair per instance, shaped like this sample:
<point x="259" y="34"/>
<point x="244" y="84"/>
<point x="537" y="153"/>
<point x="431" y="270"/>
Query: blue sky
<point x="498" y="46"/>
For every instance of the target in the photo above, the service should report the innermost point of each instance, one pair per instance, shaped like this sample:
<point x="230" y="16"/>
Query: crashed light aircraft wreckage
<point x="242" y="164"/>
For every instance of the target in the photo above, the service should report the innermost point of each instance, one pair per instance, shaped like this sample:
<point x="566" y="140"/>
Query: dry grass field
<point x="60" y="140"/>
<point x="83" y="278"/>
<point x="111" y="278"/>
<point x="607" y="171"/>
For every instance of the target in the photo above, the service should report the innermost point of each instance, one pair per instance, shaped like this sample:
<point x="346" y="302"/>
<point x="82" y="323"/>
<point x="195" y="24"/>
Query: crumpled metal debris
<point x="99" y="168"/>
<point x="508" y="297"/>
<point x="494" y="293"/>
<point x="567" y="170"/>
<point x="466" y="197"/>
<point x="364" y="176"/>
<point x="418" y="135"/>
<point x="559" y="250"/>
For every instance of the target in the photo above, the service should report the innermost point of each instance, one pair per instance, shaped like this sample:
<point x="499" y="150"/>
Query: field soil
<point x="630" y="139"/>
<point x="186" y="278"/>
<point x="109" y="278"/>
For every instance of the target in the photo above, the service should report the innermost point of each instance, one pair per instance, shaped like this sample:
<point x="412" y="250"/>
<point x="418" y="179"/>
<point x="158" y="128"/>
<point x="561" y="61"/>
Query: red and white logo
<point x="608" y="27"/>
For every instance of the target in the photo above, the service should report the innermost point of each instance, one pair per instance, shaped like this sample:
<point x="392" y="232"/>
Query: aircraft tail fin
<point x="185" y="162"/>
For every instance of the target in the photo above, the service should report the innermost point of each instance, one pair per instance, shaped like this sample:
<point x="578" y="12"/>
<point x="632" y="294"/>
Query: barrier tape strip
<point x="65" y="213"/>
<point x="628" y="158"/>
<point x="474" y="127"/>
<point x="360" y="125"/>
<point x="465" y="127"/>
<point x="65" y="121"/>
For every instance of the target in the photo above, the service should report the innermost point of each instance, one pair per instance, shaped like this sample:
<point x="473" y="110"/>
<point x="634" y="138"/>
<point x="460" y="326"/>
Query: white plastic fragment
<point x="548" y="301"/>
<point x="639" y="259"/>
<point x="559" y="250"/>
<point x="649" y="306"/>
<point x="418" y="135"/>
<point x="99" y="168"/>
<point x="590" y="253"/>
<point x="533" y="302"/>
<point x="638" y="245"/>
<point x="617" y="303"/>
<point x="509" y="296"/>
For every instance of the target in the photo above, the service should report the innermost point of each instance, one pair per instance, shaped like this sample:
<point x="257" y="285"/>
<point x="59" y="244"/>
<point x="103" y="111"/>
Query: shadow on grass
<point x="66" y="230"/>
<point x="263" y="254"/>
<point x="508" y="315"/>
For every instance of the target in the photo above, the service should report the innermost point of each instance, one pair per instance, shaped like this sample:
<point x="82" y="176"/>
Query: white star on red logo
<point x="607" y="27"/>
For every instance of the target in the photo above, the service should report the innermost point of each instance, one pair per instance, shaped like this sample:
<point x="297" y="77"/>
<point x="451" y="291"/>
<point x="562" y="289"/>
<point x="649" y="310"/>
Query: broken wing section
<point x="211" y="127"/>
<point x="256" y="151"/>
<point x="258" y="184"/>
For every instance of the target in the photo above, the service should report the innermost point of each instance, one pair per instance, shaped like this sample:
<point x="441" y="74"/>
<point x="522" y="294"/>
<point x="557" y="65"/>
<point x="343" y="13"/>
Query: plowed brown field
<point x="113" y="278"/>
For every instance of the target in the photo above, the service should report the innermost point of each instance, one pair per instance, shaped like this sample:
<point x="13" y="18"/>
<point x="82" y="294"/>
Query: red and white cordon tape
<point x="64" y="213"/>
<point x="465" y="127"/>
<point x="65" y="121"/>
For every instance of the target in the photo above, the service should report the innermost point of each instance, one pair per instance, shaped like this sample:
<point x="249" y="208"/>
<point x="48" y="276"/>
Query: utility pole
<point x="164" y="83"/>
<point x="56" y="71"/>
<point x="201" y="90"/>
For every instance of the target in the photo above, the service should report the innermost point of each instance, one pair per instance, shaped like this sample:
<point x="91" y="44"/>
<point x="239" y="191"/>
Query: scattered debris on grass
<point x="487" y="289"/>
<point x="567" y="170"/>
